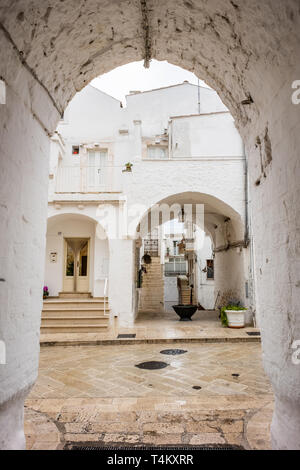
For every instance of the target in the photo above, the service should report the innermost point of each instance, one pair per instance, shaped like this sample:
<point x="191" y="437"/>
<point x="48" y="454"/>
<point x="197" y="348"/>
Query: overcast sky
<point x="120" y="81"/>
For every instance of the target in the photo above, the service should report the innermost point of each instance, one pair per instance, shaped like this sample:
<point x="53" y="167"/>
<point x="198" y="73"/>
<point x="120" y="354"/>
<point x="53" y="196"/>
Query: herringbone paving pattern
<point x="109" y="371"/>
<point x="96" y="394"/>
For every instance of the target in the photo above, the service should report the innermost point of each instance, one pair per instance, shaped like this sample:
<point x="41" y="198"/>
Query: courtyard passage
<point x="158" y="327"/>
<point x="210" y="394"/>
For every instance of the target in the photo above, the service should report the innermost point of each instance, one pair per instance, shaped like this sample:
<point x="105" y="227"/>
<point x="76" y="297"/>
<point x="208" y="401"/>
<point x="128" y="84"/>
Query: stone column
<point x="121" y="280"/>
<point x="24" y="153"/>
<point x="274" y="188"/>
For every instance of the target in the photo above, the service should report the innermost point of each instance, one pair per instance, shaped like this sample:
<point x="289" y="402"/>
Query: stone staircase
<point x="75" y="313"/>
<point x="152" y="292"/>
<point x="185" y="296"/>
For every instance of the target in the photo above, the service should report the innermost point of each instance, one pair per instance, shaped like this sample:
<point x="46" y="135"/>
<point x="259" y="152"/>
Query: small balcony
<point x="88" y="179"/>
<point x="176" y="266"/>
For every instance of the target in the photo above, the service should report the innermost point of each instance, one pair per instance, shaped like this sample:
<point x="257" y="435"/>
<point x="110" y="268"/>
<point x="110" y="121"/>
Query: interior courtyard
<point x="92" y="351"/>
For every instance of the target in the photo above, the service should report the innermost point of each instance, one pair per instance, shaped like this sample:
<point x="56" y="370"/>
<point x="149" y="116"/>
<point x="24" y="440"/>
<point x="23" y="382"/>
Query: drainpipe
<point x="246" y="233"/>
<point x="170" y="143"/>
<point x="199" y="102"/>
<point x="248" y="241"/>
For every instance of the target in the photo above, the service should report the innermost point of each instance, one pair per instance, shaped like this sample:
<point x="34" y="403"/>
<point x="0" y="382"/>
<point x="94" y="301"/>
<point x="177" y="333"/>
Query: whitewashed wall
<point x="205" y="287"/>
<point x="66" y="227"/>
<point x="212" y="140"/>
<point x="40" y="81"/>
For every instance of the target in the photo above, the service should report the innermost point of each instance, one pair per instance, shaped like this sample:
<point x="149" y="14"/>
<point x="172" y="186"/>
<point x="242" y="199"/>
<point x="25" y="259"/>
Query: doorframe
<point x="75" y="267"/>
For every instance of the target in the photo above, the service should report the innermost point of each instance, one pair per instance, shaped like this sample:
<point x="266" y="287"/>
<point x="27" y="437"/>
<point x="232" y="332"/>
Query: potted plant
<point x="45" y="292"/>
<point x="146" y="259"/>
<point x="233" y="315"/>
<point x="128" y="167"/>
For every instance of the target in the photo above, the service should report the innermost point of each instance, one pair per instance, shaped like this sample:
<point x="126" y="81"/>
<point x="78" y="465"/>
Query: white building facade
<point x="111" y="166"/>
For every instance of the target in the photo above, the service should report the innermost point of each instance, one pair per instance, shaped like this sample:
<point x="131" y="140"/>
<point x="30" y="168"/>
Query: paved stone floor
<point x="158" y="328"/>
<point x="96" y="394"/>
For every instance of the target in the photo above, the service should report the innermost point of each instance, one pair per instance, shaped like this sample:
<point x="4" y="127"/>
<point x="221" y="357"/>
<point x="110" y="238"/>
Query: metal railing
<point x="175" y="267"/>
<point x="88" y="179"/>
<point x="105" y="294"/>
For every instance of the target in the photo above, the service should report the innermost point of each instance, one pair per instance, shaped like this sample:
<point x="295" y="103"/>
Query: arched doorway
<point x="227" y="231"/>
<point x="244" y="53"/>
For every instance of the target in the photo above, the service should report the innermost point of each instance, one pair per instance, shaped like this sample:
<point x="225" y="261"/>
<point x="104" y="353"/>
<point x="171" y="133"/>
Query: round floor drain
<point x="152" y="365"/>
<point x="173" y="352"/>
<point x="197" y="387"/>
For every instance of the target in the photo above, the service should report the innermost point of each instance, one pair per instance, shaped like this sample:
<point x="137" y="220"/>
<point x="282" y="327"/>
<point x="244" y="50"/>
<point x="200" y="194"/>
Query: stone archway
<point x="248" y="51"/>
<point x="76" y="226"/>
<point x="224" y="225"/>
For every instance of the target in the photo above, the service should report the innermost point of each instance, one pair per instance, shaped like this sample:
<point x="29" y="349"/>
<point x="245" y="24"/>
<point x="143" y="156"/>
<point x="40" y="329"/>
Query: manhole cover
<point x="127" y="336"/>
<point x="173" y="352"/>
<point x="152" y="365"/>
<point x="197" y="387"/>
<point x="253" y="333"/>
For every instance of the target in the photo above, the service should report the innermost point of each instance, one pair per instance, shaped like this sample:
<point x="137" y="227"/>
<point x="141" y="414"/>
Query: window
<point x="209" y="269"/>
<point x="176" y="266"/>
<point x="97" y="168"/>
<point x="157" y="152"/>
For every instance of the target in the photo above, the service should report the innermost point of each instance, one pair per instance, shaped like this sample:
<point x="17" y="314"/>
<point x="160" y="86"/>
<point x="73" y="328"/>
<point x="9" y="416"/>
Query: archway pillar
<point x="24" y="155"/>
<point x="121" y="280"/>
<point x="274" y="170"/>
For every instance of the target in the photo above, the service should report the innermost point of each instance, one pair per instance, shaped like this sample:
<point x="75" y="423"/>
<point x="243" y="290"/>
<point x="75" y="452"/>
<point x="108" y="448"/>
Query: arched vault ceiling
<point x="237" y="46"/>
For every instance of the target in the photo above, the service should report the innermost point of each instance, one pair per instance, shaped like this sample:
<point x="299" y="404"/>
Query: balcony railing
<point x="88" y="179"/>
<point x="175" y="267"/>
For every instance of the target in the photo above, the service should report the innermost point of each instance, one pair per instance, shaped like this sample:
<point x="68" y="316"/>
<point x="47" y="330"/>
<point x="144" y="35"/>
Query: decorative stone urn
<point x="236" y="318"/>
<point x="185" y="312"/>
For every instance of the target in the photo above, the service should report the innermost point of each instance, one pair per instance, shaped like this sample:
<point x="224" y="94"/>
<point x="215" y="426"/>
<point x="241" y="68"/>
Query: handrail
<point x="105" y="292"/>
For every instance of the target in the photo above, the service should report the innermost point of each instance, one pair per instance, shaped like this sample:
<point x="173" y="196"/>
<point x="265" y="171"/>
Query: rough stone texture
<point x="109" y="401"/>
<point x="239" y="48"/>
<point x="152" y="291"/>
<point x="24" y="147"/>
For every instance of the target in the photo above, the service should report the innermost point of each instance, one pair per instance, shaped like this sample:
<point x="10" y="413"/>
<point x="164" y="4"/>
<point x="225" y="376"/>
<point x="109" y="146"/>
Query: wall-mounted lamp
<point x="248" y="100"/>
<point x="181" y="215"/>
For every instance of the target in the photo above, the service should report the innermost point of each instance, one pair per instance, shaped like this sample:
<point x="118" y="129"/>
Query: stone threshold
<point x="112" y="342"/>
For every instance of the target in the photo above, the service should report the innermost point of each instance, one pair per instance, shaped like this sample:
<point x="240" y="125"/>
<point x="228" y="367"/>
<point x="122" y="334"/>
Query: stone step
<point x="84" y="304"/>
<point x="154" y="281"/>
<point x="150" y="287"/>
<point x="152" y="298"/>
<point x="151" y="292"/>
<point x="72" y="295"/>
<point x="74" y="312"/>
<point x="89" y="328"/>
<point x="74" y="321"/>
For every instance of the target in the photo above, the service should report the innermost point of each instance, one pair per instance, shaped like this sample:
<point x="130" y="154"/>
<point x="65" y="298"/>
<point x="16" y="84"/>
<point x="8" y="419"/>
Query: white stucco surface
<point x="244" y="50"/>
